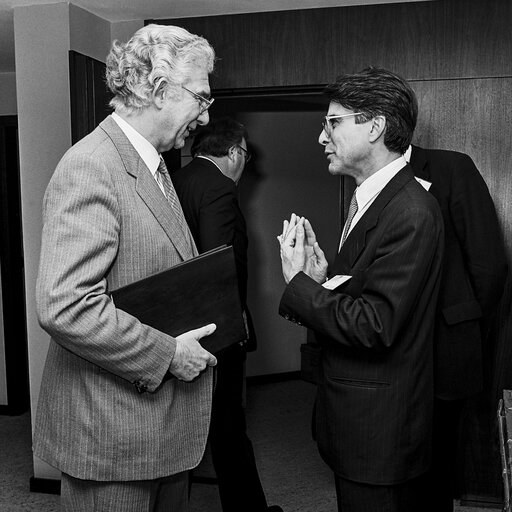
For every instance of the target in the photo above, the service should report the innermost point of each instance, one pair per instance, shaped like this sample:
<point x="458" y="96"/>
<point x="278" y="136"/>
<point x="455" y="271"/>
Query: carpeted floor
<point x="279" y="416"/>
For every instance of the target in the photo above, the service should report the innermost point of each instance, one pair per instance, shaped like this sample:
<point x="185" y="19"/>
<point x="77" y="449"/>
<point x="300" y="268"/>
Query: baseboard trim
<point x="273" y="377"/>
<point x="481" y="502"/>
<point x="44" y="485"/>
<point x="14" y="410"/>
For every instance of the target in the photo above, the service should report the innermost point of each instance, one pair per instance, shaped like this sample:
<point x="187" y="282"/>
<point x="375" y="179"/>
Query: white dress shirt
<point x="144" y="148"/>
<point x="371" y="187"/>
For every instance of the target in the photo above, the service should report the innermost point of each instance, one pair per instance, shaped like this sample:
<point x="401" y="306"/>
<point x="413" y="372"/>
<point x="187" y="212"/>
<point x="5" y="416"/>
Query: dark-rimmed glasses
<point x="327" y="124"/>
<point x="247" y="155"/>
<point x="204" y="103"/>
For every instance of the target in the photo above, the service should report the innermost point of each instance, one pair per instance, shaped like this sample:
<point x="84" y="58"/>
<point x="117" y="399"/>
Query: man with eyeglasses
<point x="207" y="188"/>
<point x="124" y="409"/>
<point x="374" y="316"/>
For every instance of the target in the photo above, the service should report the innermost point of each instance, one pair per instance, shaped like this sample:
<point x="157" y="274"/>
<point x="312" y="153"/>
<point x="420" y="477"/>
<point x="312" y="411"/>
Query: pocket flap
<point x="460" y="312"/>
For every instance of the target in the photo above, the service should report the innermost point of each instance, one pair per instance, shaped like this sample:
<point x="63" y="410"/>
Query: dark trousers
<point x="357" y="497"/>
<point x="442" y="476"/>
<point x="232" y="453"/>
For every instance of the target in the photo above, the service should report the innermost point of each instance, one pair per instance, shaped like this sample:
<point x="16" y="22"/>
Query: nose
<point x="203" y="118"/>
<point x="323" y="139"/>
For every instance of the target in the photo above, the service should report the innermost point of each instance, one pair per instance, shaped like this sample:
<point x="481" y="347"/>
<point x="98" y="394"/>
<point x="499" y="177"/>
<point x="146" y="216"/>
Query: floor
<point x="278" y="414"/>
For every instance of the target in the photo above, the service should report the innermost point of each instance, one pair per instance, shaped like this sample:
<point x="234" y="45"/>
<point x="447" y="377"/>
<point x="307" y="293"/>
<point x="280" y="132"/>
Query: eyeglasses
<point x="328" y="126"/>
<point x="247" y="155"/>
<point x="204" y="103"/>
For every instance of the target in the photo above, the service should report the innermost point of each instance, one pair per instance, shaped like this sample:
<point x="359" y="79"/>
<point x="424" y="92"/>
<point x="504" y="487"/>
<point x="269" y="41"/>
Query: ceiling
<point x="123" y="10"/>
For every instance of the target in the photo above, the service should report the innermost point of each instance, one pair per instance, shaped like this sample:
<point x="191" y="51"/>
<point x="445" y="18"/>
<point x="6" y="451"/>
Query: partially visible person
<point x="124" y="409"/>
<point x="374" y="318"/>
<point x="473" y="279"/>
<point x="207" y="188"/>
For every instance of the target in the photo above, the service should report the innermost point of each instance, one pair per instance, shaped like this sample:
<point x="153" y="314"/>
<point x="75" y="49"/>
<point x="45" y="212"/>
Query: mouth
<point x="189" y="131"/>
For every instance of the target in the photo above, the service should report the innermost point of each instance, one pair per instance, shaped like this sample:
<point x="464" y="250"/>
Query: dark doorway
<point x="12" y="272"/>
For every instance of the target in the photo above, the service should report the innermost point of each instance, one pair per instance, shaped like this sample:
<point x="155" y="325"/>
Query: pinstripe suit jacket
<point x="105" y="411"/>
<point x="374" y="403"/>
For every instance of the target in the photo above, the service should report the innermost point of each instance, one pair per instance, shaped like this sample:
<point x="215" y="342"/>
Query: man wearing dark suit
<point x="207" y="188"/>
<point x="123" y="433"/>
<point x="374" y="401"/>
<point x="472" y="283"/>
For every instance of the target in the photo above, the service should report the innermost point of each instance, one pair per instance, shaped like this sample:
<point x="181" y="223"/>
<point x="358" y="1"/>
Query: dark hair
<point x="376" y="91"/>
<point x="217" y="137"/>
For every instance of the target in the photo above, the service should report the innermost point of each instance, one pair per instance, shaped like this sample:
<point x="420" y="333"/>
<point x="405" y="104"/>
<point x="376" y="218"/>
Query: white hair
<point x="154" y="54"/>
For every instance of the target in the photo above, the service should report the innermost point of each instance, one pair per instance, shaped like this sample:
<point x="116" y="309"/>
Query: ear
<point x="378" y="128"/>
<point x="233" y="150"/>
<point x="160" y="93"/>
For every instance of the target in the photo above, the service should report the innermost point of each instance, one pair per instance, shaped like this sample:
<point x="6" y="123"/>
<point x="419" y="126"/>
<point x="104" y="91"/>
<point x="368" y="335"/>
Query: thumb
<point x="206" y="330"/>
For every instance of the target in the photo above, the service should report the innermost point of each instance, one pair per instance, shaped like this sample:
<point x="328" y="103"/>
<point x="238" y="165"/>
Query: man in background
<point x="122" y="432"/>
<point x="374" y="318"/>
<point x="207" y="188"/>
<point x="474" y="273"/>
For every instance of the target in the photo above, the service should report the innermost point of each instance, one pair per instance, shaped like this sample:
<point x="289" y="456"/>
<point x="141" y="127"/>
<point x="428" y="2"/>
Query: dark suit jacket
<point x="374" y="403"/>
<point x="210" y="202"/>
<point x="474" y="272"/>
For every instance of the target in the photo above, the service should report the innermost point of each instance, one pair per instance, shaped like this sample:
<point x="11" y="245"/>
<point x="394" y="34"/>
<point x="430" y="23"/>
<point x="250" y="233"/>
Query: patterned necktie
<point x="352" y="210"/>
<point x="163" y="179"/>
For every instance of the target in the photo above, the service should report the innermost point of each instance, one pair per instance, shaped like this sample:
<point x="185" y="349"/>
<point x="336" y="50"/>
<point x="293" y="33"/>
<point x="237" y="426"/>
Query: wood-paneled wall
<point x="457" y="53"/>
<point x="419" y="40"/>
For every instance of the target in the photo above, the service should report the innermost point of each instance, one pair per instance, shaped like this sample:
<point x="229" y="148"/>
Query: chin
<point x="334" y="170"/>
<point x="179" y="144"/>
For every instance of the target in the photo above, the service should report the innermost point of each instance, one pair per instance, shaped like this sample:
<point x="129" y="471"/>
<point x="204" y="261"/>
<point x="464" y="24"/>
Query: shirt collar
<point x="371" y="186"/>
<point x="210" y="160"/>
<point x="144" y="148"/>
<point x="407" y="154"/>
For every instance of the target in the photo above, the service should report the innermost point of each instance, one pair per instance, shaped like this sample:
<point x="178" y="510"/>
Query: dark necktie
<point x="163" y="178"/>
<point x="352" y="210"/>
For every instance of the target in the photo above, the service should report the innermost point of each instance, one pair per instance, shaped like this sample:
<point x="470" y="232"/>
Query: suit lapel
<point x="149" y="191"/>
<point x="356" y="240"/>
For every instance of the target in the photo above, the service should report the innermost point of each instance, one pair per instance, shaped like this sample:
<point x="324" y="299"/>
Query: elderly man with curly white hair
<point x="124" y="409"/>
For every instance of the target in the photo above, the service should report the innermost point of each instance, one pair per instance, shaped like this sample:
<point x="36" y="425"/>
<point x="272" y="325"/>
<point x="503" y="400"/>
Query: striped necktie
<point x="352" y="210"/>
<point x="163" y="179"/>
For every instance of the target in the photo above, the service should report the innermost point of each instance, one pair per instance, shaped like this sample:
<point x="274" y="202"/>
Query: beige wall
<point x="42" y="83"/>
<point x="8" y="94"/>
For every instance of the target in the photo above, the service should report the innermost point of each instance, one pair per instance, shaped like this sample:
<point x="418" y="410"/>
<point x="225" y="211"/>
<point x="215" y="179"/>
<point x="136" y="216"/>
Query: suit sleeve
<point x="477" y="228"/>
<point x="390" y="287"/>
<point x="81" y="235"/>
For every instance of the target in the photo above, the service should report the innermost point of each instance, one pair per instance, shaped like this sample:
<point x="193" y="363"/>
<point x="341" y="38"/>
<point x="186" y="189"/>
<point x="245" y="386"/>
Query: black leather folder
<point x="194" y="293"/>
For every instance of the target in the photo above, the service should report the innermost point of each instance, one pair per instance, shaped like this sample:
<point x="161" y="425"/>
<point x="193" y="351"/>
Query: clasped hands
<point x="300" y="251"/>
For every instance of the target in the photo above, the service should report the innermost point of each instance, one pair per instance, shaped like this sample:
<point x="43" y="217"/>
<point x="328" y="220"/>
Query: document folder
<point x="194" y="293"/>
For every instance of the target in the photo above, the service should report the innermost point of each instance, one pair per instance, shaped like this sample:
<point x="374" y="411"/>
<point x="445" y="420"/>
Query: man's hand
<point x="293" y="256"/>
<point x="300" y="251"/>
<point x="190" y="358"/>
<point x="316" y="263"/>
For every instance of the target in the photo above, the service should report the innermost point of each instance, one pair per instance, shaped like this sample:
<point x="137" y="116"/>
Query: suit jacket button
<point x="141" y="388"/>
